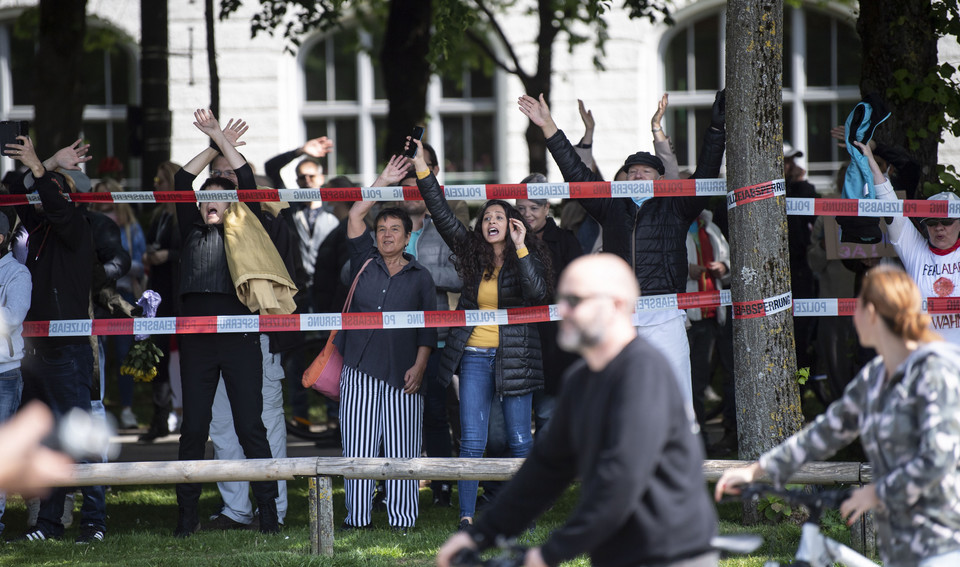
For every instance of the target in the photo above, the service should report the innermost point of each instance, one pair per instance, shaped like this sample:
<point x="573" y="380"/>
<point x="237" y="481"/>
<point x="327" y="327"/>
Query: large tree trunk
<point x="540" y="82"/>
<point x="58" y="103"/>
<point x="901" y="35"/>
<point x="768" y="400"/>
<point x="212" y="59"/>
<point x="155" y="96"/>
<point x="406" y="72"/>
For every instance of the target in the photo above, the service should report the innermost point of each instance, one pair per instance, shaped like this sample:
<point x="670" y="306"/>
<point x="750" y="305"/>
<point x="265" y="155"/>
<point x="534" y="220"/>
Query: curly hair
<point x="475" y="259"/>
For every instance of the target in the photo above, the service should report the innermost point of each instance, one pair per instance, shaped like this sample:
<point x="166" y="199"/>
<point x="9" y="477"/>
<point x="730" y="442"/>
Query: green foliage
<point x="802" y="375"/>
<point x="938" y="87"/>
<point x="294" y="18"/>
<point x="774" y="509"/>
<point x="100" y="35"/>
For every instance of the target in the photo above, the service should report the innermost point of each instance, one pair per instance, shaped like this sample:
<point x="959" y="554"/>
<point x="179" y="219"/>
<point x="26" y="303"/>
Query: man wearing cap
<point x="931" y="255"/>
<point x="650" y="234"/>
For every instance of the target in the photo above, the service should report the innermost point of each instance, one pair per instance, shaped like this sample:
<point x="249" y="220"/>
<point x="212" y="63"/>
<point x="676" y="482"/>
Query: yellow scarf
<point x="259" y="274"/>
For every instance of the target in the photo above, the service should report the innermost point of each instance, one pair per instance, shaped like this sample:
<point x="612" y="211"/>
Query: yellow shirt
<point x="487" y="336"/>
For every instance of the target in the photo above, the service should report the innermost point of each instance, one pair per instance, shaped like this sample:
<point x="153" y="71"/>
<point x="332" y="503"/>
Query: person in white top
<point x="931" y="257"/>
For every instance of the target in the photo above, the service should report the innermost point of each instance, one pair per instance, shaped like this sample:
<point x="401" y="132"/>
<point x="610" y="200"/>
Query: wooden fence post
<point x="320" y="501"/>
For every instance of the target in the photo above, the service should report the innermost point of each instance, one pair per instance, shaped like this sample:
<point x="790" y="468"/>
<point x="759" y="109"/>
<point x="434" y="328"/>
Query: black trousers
<point x="203" y="357"/>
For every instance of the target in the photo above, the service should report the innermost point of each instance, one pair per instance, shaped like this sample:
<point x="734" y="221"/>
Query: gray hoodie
<point x="15" y="289"/>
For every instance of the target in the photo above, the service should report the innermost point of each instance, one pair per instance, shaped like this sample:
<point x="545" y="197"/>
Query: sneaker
<point x="441" y="497"/>
<point x="90" y="534"/>
<point x="464" y="524"/>
<point x="152" y="435"/>
<point x="173" y="422"/>
<point x="68" y="502"/>
<point x="33" y="535"/>
<point x="127" y="419"/>
<point x="223" y="522"/>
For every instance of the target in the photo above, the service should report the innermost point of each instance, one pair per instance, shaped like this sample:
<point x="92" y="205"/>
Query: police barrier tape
<point x="753" y="193"/>
<point x="422" y="319"/>
<point x="585" y="190"/>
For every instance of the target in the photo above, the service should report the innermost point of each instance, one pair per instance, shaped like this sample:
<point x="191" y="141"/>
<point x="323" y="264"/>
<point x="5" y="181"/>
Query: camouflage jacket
<point x="909" y="427"/>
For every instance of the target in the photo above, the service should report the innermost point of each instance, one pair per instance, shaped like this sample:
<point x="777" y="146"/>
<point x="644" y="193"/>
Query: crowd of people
<point x="616" y="399"/>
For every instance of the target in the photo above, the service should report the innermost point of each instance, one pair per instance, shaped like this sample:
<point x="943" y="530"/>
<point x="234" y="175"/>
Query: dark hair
<point x="432" y="153"/>
<point x="475" y="259"/>
<point x="221" y="182"/>
<point x="312" y="160"/>
<point x="339" y="181"/>
<point x="395" y="213"/>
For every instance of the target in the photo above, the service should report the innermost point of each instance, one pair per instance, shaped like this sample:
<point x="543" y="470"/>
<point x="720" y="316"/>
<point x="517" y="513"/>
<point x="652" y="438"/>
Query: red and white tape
<point x="424" y="319"/>
<point x="761" y="191"/>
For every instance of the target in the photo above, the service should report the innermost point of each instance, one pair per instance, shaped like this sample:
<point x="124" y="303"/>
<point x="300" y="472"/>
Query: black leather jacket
<point x="652" y="239"/>
<point x="519" y="367"/>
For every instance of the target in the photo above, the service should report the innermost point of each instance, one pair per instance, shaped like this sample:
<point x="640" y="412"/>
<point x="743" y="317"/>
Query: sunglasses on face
<point x="930" y="223"/>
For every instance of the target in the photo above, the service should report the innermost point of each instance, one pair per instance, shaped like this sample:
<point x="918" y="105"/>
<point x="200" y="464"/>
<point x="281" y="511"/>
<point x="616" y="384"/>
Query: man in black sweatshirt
<point x="620" y="428"/>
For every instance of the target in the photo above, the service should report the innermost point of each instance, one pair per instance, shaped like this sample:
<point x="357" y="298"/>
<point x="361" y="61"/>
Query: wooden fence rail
<point x="321" y="469"/>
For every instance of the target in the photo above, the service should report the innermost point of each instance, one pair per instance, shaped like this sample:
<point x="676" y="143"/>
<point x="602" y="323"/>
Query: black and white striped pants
<point x="373" y="414"/>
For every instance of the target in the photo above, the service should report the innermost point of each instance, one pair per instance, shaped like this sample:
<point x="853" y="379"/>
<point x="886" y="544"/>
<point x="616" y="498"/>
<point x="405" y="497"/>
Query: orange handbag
<point x="323" y="374"/>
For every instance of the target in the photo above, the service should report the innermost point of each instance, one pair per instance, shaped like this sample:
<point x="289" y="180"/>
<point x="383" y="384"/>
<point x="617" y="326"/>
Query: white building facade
<point x="332" y="88"/>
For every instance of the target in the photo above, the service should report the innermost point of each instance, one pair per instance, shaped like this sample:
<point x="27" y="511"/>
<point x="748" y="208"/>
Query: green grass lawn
<point x="141" y="520"/>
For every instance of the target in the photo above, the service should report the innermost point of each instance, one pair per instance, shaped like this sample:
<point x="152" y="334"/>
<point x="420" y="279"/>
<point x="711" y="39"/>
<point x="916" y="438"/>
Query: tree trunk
<point x="56" y="80"/>
<point x="768" y="401"/>
<point x="155" y="96"/>
<point x="406" y="72"/>
<point x="212" y="60"/>
<point x="895" y="35"/>
<point x="540" y="82"/>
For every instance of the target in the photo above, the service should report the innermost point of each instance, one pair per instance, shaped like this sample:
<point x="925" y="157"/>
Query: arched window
<point x="109" y="71"/>
<point x="821" y="74"/>
<point x="344" y="99"/>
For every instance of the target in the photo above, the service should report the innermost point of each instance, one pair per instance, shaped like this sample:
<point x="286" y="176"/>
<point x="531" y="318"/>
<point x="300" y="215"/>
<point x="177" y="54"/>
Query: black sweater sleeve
<point x="573" y="169"/>
<point x="448" y="225"/>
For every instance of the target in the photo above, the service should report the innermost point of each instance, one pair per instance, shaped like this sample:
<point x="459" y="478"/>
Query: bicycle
<point x="815" y="549"/>
<point x="513" y="555"/>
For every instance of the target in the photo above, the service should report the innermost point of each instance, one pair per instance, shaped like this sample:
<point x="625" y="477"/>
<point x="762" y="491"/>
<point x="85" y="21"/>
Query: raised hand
<point x="588" y="122"/>
<point x="394" y="172"/>
<point x="26" y="154"/>
<point x="72" y="156"/>
<point x="658" y="115"/>
<point x="317" y="147"/>
<point x="206" y="122"/>
<point x="536" y="110"/>
<point x="233" y="131"/>
<point x="518" y="231"/>
<point x="419" y="162"/>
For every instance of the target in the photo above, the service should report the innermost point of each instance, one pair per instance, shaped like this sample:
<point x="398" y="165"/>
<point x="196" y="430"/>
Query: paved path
<point x="165" y="448"/>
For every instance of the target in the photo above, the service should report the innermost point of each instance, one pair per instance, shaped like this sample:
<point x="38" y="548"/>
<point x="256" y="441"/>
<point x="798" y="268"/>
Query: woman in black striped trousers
<point x="380" y="404"/>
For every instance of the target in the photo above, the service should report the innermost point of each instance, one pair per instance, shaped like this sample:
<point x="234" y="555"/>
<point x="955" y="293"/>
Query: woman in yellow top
<point x="502" y="265"/>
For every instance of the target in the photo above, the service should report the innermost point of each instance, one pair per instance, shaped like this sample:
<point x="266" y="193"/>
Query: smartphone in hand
<point x="416" y="134"/>
<point x="9" y="130"/>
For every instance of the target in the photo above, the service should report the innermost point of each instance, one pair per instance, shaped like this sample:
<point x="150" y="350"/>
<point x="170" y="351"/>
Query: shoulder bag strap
<point x="353" y="286"/>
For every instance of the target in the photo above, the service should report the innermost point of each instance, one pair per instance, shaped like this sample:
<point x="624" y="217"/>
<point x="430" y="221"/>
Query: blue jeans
<point x="60" y="377"/>
<point x="477" y="391"/>
<point x="11" y="388"/>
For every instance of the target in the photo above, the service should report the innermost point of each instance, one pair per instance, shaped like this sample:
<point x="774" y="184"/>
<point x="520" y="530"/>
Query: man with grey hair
<point x="621" y="430"/>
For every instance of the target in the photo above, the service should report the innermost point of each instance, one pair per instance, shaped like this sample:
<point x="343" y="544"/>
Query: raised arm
<point x="448" y="225"/>
<point x="661" y="143"/>
<point x="226" y="138"/>
<point x="539" y="113"/>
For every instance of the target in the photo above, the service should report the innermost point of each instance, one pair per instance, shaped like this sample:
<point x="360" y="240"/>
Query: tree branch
<point x="488" y="51"/>
<point x="503" y="39"/>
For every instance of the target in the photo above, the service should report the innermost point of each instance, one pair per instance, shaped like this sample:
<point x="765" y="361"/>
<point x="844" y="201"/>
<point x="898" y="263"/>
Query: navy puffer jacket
<point x="522" y="283"/>
<point x="652" y="239"/>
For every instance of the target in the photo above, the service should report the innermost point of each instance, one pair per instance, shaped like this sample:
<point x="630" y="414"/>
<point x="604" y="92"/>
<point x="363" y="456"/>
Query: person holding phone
<point x="502" y="264"/>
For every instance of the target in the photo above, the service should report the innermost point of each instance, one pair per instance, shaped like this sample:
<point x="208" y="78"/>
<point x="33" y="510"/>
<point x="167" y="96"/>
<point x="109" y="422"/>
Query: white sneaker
<point x="68" y="502"/>
<point x="127" y="419"/>
<point x="173" y="422"/>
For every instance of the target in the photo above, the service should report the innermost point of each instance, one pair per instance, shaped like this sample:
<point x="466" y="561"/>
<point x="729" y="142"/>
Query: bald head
<point x="604" y="274"/>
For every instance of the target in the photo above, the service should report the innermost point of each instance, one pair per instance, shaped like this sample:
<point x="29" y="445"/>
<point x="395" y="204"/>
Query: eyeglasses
<point x="304" y="177"/>
<point x="574" y="300"/>
<point x="930" y="223"/>
<point x="223" y="173"/>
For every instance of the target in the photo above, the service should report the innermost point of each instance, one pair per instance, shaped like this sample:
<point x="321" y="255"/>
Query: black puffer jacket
<point x="652" y="239"/>
<point x="522" y="283"/>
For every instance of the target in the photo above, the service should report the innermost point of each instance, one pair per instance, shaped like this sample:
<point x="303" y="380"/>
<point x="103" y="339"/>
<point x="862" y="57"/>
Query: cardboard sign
<point x="837" y="250"/>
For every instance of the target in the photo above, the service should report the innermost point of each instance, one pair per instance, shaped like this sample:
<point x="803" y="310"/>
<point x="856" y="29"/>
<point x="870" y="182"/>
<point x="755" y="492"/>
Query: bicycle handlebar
<point x="815" y="502"/>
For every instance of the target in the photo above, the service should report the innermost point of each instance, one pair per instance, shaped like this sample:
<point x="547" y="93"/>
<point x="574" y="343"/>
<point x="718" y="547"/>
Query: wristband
<point x="423" y="174"/>
<point x="584" y="146"/>
<point x="656" y="130"/>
